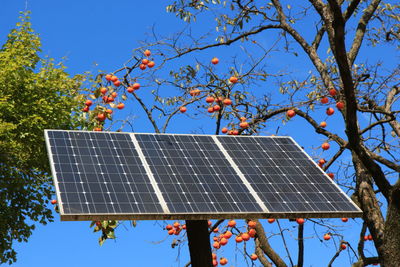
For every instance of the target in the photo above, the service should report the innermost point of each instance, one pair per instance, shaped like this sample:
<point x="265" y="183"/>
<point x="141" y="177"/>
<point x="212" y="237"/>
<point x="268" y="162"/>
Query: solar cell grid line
<point x="194" y="176"/>
<point x="286" y="179"/>
<point x="241" y="175"/>
<point x="150" y="174"/>
<point x="82" y="175"/>
<point x="98" y="174"/>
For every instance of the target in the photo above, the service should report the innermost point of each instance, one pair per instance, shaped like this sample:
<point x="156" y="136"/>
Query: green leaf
<point x="111" y="235"/>
<point x="102" y="240"/>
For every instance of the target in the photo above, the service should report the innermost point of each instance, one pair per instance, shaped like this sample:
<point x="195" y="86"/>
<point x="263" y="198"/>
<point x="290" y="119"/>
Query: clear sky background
<point x="95" y="34"/>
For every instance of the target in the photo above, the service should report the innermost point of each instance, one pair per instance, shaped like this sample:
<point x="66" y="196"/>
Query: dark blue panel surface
<point x="284" y="177"/>
<point x="194" y="176"/>
<point x="99" y="173"/>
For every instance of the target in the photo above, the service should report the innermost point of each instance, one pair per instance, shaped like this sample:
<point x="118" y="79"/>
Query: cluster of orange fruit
<point x="324" y="100"/>
<point x="109" y="97"/>
<point x="223" y="238"/>
<point x="217" y="102"/>
<point x="146" y="62"/>
<point x="175" y="229"/>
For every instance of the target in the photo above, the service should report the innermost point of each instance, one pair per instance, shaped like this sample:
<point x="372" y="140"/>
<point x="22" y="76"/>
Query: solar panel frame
<point x="192" y="216"/>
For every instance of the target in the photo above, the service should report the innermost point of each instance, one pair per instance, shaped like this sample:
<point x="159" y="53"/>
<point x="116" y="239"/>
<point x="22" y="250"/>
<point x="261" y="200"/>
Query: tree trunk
<point x="386" y="234"/>
<point x="199" y="243"/>
<point x="392" y="230"/>
<point x="369" y="204"/>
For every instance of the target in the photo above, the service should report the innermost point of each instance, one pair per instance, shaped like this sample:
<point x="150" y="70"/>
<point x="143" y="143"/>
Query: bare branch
<point x="334" y="158"/>
<point x="361" y="29"/>
<point x="310" y="51"/>
<point x="384" y="161"/>
<point x="227" y="42"/>
<point x="351" y="122"/>
<point x="284" y="243"/>
<point x="266" y="247"/>
<point x="148" y="113"/>
<point x="335" y="256"/>
<point x="376" y="123"/>
<point x="264" y="261"/>
<point x="388" y="104"/>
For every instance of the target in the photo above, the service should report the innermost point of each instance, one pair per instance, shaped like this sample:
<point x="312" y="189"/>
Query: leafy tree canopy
<point x="35" y="94"/>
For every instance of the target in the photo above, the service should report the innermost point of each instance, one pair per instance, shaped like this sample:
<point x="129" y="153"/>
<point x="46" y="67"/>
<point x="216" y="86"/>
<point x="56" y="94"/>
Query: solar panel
<point x="103" y="175"/>
<point x="284" y="176"/>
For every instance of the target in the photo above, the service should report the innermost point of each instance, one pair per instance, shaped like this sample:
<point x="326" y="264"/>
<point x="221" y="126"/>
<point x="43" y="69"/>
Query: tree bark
<point x="369" y="204"/>
<point x="391" y="247"/>
<point x="199" y="243"/>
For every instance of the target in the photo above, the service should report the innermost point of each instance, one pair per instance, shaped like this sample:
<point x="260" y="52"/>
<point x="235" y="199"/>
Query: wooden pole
<point x="199" y="243"/>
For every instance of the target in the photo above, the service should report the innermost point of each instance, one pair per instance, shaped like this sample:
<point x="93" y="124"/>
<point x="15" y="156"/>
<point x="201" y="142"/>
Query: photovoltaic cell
<point x="284" y="177"/>
<point x="194" y="176"/>
<point x="103" y="175"/>
<point x="100" y="173"/>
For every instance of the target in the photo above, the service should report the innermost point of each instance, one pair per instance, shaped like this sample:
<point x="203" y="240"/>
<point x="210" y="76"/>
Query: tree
<point x="343" y="76"/>
<point x="35" y="94"/>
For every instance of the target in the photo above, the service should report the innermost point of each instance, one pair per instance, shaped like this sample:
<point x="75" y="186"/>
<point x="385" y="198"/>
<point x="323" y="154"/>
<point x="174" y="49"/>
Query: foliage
<point x="35" y="94"/>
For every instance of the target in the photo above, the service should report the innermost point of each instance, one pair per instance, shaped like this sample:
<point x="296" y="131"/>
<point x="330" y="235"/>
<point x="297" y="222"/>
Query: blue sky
<point x="95" y="35"/>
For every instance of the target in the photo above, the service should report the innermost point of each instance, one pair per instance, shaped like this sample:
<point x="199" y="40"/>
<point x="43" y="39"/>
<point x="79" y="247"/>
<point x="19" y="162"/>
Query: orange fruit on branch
<point x="215" y="61"/>
<point x="325" y="100"/>
<point x="209" y="99"/>
<point x="244" y="125"/>
<point x="327" y="236"/>
<point x="136" y="86"/>
<point x="227" y="101"/>
<point x="101" y="117"/>
<point x="147" y="53"/>
<point x="252" y="224"/>
<point x="330" y="111"/>
<point x="340" y="105"/>
<point x="216" y="107"/>
<point x="325" y="146"/>
<point x="332" y="92"/>
<point x="232" y="223"/>
<point x="103" y="90"/>
<point x="233" y="79"/>
<point x="290" y="113"/>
